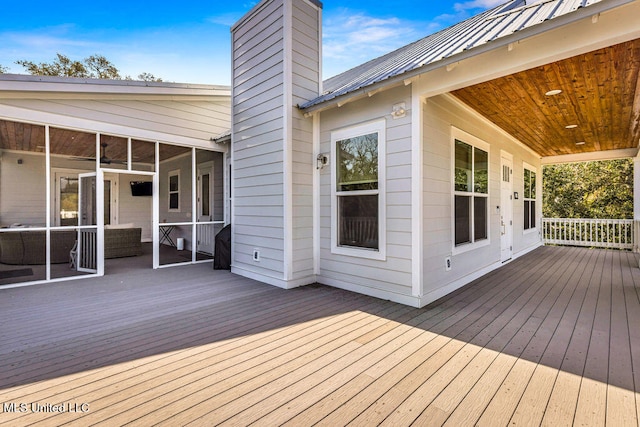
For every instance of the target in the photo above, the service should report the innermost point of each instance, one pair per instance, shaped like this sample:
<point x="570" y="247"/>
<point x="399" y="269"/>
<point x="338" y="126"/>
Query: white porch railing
<point x="597" y="233"/>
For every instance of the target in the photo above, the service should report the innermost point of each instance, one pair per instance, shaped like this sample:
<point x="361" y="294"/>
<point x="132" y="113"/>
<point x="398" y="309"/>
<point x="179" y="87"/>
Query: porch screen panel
<point x="72" y="153"/>
<point x="73" y="203"/>
<point x="114" y="152"/>
<point x="208" y="223"/>
<point x="23" y="175"/>
<point x="143" y="155"/>
<point x="176" y="211"/>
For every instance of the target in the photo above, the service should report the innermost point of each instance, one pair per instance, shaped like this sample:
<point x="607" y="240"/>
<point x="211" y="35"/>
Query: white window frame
<point x="379" y="127"/>
<point x="457" y="134"/>
<point x="58" y="173"/>
<point x="533" y="169"/>
<point x="170" y="174"/>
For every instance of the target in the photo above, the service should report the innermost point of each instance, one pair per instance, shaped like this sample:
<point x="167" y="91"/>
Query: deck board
<point x="548" y="339"/>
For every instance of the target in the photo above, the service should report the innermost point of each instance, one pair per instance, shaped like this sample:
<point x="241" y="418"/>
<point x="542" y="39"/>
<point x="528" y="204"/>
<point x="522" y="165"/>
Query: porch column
<point x="636" y="203"/>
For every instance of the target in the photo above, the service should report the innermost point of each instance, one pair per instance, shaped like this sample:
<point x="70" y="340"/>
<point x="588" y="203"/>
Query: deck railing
<point x="597" y="233"/>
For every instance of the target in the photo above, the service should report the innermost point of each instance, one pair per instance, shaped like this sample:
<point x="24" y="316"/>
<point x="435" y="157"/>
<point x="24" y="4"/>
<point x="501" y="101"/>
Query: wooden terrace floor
<point x="552" y="338"/>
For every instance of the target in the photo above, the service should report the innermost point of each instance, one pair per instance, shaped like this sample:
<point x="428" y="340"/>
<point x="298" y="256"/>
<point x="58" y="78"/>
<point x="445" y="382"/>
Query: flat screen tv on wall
<point x="141" y="188"/>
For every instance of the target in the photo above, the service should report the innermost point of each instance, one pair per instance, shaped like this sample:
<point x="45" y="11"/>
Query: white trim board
<point x="271" y="280"/>
<point x="436" y="294"/>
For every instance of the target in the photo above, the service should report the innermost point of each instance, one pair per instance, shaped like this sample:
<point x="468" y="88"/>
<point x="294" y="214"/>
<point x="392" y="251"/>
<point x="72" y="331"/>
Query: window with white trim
<point x="530" y="197"/>
<point x="174" y="191"/>
<point x="358" y="190"/>
<point x="471" y="191"/>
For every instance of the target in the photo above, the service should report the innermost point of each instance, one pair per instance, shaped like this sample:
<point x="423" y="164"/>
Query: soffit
<point x="26" y="137"/>
<point x="600" y="95"/>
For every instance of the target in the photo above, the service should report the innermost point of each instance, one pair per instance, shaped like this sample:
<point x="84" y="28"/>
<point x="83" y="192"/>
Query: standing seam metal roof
<point x="493" y="24"/>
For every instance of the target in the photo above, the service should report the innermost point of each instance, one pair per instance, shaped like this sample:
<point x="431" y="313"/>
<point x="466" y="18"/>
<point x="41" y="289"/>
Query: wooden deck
<point x="552" y="339"/>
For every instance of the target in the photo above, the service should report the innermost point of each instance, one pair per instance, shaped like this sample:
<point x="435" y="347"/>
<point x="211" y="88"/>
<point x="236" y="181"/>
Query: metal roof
<point x="493" y="24"/>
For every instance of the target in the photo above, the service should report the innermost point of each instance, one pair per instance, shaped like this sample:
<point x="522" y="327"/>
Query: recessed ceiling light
<point x="580" y="143"/>
<point x="553" y="92"/>
<point x="571" y="126"/>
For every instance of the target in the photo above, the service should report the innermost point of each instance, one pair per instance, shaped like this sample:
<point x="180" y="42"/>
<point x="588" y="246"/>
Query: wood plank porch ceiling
<point x="600" y="95"/>
<point x="17" y="136"/>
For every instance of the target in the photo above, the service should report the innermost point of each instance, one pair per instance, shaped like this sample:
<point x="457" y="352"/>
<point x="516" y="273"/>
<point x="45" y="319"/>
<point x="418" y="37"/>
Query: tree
<point x="602" y="189"/>
<point x="3" y="69"/>
<point x="101" y="68"/>
<point x="148" y="77"/>
<point x="94" y="67"/>
<point x="61" y="66"/>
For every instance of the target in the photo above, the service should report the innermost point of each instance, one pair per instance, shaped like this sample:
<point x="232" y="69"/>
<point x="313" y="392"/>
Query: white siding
<point x="272" y="141"/>
<point x="135" y="210"/>
<point x="23" y="189"/>
<point x="439" y="115"/>
<point x="390" y="278"/>
<point x="185" y="212"/>
<point x="193" y="119"/>
<point x="258" y="126"/>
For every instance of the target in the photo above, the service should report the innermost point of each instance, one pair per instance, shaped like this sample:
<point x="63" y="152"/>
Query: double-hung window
<point x="358" y="191"/>
<point x="529" y="197"/>
<point x="174" y="191"/>
<point x="471" y="191"/>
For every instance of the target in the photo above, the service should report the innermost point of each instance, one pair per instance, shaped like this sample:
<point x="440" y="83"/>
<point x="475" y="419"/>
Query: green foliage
<point x="93" y="67"/>
<point x="101" y="68"/>
<point x="3" y="69"/>
<point x="358" y="163"/>
<point x="602" y="189"/>
<point x="148" y="77"/>
<point x="61" y="66"/>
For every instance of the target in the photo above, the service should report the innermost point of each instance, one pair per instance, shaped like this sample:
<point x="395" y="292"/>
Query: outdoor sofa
<point x="29" y="247"/>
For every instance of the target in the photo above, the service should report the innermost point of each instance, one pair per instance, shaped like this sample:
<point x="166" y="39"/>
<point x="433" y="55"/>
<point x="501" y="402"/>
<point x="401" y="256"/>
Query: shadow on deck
<point x="548" y="338"/>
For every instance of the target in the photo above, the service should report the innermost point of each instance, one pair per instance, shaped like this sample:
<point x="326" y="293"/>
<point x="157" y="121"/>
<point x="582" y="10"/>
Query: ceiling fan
<point x="104" y="159"/>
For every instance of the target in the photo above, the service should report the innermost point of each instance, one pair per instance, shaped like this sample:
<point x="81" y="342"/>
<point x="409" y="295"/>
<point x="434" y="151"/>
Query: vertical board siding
<point x="258" y="123"/>
<point x="439" y="115"/>
<point x="393" y="275"/>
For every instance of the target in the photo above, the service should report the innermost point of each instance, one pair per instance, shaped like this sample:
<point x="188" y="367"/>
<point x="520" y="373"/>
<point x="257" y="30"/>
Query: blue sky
<point x="189" y="41"/>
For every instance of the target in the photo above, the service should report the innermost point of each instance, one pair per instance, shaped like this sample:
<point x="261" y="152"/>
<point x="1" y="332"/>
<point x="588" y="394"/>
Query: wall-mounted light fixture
<point x="399" y="110"/>
<point x="322" y="160"/>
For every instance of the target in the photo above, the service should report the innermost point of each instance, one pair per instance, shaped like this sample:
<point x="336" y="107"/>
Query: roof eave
<point x="54" y="84"/>
<point x="406" y="77"/>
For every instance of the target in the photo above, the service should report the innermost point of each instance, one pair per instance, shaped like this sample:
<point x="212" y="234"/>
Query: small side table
<point x="165" y="235"/>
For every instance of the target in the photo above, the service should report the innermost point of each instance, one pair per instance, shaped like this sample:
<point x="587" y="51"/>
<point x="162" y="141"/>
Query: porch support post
<point x="636" y="203"/>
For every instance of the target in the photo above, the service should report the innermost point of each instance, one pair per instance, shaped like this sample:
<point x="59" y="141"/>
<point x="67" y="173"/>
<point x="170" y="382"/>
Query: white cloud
<point x="351" y="38"/>
<point x="477" y="4"/>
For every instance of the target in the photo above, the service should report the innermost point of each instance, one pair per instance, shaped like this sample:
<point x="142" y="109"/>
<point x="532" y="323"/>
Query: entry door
<point x="506" y="208"/>
<point x="87" y="244"/>
<point x="206" y="232"/>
